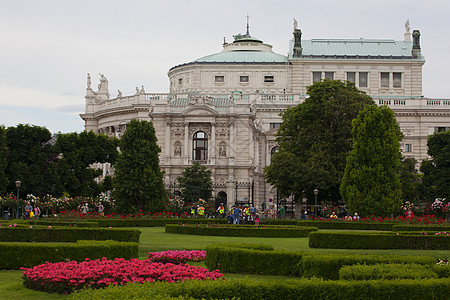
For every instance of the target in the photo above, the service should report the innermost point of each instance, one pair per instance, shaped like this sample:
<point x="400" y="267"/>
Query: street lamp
<point x="316" y="192"/>
<point x="18" y="183"/>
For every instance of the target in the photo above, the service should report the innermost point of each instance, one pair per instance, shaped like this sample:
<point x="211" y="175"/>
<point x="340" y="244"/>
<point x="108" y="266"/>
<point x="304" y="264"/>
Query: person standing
<point x="236" y="214"/>
<point x="37" y="212"/>
<point x="282" y="212"/>
<point x="28" y="209"/>
<point x="101" y="208"/>
<point x="221" y="211"/>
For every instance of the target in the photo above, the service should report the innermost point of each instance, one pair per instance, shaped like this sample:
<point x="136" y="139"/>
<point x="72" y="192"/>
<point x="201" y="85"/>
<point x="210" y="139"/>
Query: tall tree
<point x="196" y="183"/>
<point x="410" y="180"/>
<point x="3" y="160"/>
<point x="315" y="139"/>
<point x="75" y="155"/>
<point x="436" y="170"/>
<point x="371" y="183"/>
<point x="28" y="158"/>
<point x="138" y="182"/>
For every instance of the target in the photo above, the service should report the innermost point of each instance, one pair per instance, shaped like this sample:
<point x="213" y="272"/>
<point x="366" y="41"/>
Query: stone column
<point x="168" y="137"/>
<point x="186" y="144"/>
<point x="212" y="148"/>
<point x="232" y="141"/>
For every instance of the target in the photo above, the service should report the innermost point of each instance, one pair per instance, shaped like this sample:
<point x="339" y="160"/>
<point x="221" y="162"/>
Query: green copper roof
<point x="363" y="48"/>
<point x="243" y="57"/>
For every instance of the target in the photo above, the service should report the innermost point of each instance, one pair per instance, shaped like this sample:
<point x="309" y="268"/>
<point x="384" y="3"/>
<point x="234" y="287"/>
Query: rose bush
<point x="177" y="256"/>
<point x="65" y="277"/>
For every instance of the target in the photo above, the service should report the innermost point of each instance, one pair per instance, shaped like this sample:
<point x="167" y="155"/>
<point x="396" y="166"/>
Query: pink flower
<point x="49" y="227"/>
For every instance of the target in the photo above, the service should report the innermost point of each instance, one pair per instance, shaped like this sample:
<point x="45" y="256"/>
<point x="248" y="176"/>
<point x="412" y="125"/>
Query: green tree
<point x="28" y="159"/>
<point x="195" y="183"/>
<point x="75" y="155"/>
<point x="3" y="160"/>
<point x="371" y="183"/>
<point x="410" y="180"/>
<point x="138" y="182"/>
<point x="315" y="139"/>
<point x="436" y="171"/>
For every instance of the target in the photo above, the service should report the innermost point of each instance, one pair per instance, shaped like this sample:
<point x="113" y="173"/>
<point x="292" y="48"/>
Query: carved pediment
<point x="199" y="110"/>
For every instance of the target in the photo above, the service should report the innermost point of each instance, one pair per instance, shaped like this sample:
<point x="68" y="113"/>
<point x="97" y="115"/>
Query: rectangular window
<point x="275" y="125"/>
<point x="408" y="147"/>
<point x="329" y="75"/>
<point x="440" y="129"/>
<point x="219" y="78"/>
<point x="351" y="76"/>
<point x="384" y="80"/>
<point x="268" y="79"/>
<point x="244" y="79"/>
<point x="363" y="79"/>
<point x="317" y="76"/>
<point x="397" y="80"/>
<point x="180" y="81"/>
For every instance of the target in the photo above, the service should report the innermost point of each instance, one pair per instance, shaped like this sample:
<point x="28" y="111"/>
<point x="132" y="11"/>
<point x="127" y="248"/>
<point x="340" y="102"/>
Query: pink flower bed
<point x="65" y="277"/>
<point x="177" y="256"/>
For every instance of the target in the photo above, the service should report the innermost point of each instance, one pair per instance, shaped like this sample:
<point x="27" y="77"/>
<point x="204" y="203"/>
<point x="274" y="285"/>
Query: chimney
<point x="416" y="52"/>
<point x="298" y="43"/>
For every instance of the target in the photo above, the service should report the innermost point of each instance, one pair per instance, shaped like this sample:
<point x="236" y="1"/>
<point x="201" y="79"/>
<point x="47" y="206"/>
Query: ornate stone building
<point x="223" y="110"/>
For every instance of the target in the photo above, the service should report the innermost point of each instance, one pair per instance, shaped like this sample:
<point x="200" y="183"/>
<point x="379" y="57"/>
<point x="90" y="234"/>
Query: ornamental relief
<point x="272" y="144"/>
<point x="222" y="130"/>
<point x="408" y="131"/>
<point x="194" y="127"/>
<point x="177" y="130"/>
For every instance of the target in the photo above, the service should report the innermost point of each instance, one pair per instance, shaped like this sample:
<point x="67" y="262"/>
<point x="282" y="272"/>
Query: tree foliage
<point x="138" y="182"/>
<point x="28" y="158"/>
<point x="436" y="170"/>
<point x="315" y="139"/>
<point x="196" y="183"/>
<point x="75" y="153"/>
<point x="410" y="180"/>
<point x="3" y="160"/>
<point x="371" y="183"/>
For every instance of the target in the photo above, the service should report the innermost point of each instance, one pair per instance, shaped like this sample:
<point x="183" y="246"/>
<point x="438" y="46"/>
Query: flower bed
<point x="177" y="256"/>
<point x="277" y="231"/>
<point x="65" y="277"/>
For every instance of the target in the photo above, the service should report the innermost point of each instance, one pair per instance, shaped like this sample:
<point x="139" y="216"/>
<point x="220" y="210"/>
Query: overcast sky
<point x="48" y="46"/>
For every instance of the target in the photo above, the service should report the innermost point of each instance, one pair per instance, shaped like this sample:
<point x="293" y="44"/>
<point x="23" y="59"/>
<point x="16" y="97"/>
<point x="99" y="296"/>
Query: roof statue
<point x="407" y="32"/>
<point x="88" y="81"/>
<point x="103" y="85"/>
<point x="295" y="24"/>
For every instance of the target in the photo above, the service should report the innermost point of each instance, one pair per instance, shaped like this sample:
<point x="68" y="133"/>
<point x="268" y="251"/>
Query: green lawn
<point x="155" y="239"/>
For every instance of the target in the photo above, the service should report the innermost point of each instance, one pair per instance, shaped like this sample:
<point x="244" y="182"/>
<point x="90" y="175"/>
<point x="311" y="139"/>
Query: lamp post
<point x="316" y="192"/>
<point x="18" y="183"/>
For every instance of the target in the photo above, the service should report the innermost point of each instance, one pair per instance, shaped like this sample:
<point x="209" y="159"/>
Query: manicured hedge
<point x="64" y="223"/>
<point x="358" y="240"/>
<point x="154" y="222"/>
<point x="327" y="266"/>
<point x="248" y="258"/>
<point x="426" y="228"/>
<point x="249" y="289"/>
<point x="386" y="271"/>
<point x="352" y="225"/>
<point x="281" y="222"/>
<point x="251" y="258"/>
<point x="67" y="234"/>
<point x="17" y="255"/>
<point x="241" y="230"/>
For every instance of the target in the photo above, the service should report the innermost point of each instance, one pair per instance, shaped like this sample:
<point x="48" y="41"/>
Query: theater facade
<point x="223" y="110"/>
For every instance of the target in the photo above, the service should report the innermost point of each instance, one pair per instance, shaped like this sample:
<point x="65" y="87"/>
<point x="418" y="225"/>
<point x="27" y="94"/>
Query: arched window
<point x="200" y="146"/>
<point x="274" y="150"/>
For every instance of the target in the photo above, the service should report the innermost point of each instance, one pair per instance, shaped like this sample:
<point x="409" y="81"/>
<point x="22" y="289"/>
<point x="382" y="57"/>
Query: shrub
<point x="274" y="290"/>
<point x="154" y="222"/>
<point x="352" y="225"/>
<point x="65" y="277"/>
<point x="17" y="255"/>
<point x="66" y="234"/>
<point x="177" y="256"/>
<point x="327" y="266"/>
<point x="386" y="271"/>
<point x="241" y="230"/>
<point x="421" y="228"/>
<point x="358" y="240"/>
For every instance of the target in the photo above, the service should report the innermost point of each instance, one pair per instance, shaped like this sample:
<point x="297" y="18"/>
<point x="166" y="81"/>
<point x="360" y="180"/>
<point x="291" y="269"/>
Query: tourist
<point x="37" y="212"/>
<point x="282" y="212"/>
<point x="201" y="210"/>
<point x="221" y="211"/>
<point x="236" y="213"/>
<point x="356" y="217"/>
<point x="101" y="208"/>
<point x="28" y="209"/>
<point x="333" y="216"/>
<point x="256" y="219"/>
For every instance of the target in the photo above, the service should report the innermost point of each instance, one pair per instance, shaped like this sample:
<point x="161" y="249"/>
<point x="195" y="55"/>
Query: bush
<point x="386" y="271"/>
<point x="241" y="230"/>
<point x="67" y="234"/>
<point x="18" y="255"/>
<point x="426" y="228"/>
<point x="63" y="223"/>
<point x="327" y="266"/>
<point x="352" y="225"/>
<point x="154" y="222"/>
<point x="358" y="240"/>
<point x="251" y="258"/>
<point x="249" y="289"/>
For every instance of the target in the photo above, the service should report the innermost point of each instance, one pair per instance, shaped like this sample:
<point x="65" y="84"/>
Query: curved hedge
<point x="249" y="289"/>
<point x="18" y="255"/>
<point x="154" y="222"/>
<point x="351" y="225"/>
<point x="67" y="234"/>
<point x="358" y="240"/>
<point x="241" y="230"/>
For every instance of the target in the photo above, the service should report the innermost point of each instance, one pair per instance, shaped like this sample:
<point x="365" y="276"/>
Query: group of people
<point x="245" y="214"/>
<point x="32" y="213"/>
<point x="84" y="208"/>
